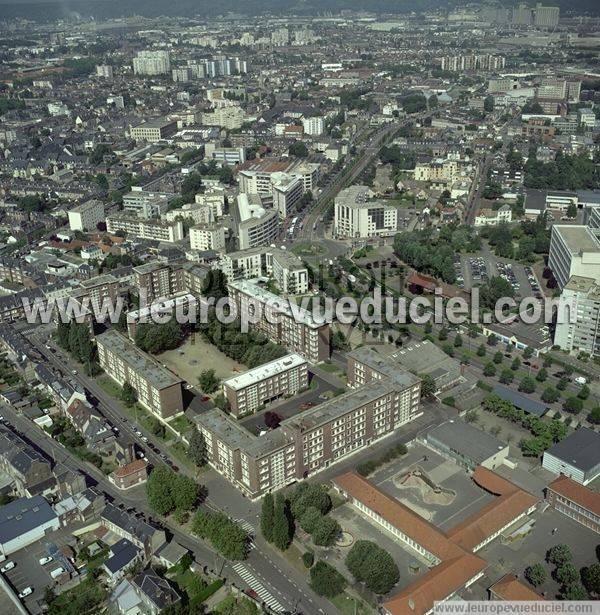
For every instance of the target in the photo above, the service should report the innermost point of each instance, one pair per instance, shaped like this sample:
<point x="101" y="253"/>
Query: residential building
<point x="576" y="501"/>
<point x="85" y="217"/>
<point x="208" y="237"/>
<point x="156" y="592"/>
<point x="545" y="16"/>
<point x="295" y="329"/>
<point x="255" y="224"/>
<point x="287" y="191"/>
<point x="230" y="118"/>
<point x="583" y="335"/>
<point x="129" y="475"/>
<point x="121" y="557"/>
<point x="576" y="456"/>
<point x="152" y="62"/>
<point x="311" y="440"/>
<point x="105" y="71"/>
<point x="493" y="217"/>
<point x="313" y="126"/>
<point x="358" y="215"/>
<point x="225" y="155"/>
<point x="574" y="250"/>
<point x="157" y="389"/>
<point x="287" y="270"/>
<point x="157" y="280"/>
<point x="99" y="290"/>
<point x="255" y="177"/>
<point x="25" y="521"/>
<point x="157" y="230"/>
<point x="154" y="131"/>
<point x="266" y="383"/>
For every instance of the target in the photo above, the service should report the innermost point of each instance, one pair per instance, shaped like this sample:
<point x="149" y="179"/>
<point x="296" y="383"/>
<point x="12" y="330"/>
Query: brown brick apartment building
<point x="575" y="501"/>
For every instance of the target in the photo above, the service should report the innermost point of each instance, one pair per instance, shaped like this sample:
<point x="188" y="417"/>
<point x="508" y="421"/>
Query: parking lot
<point x="29" y="573"/>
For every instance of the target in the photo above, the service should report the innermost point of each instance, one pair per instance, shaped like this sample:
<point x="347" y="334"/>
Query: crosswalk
<point x="254" y="584"/>
<point x="246" y="525"/>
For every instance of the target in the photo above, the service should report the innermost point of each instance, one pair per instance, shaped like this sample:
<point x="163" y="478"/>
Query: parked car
<point x="26" y="592"/>
<point x="9" y="565"/>
<point x="45" y="560"/>
<point x="580" y="380"/>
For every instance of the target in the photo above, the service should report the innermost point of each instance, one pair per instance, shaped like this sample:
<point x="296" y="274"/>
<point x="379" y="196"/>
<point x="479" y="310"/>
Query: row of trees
<point x="225" y="535"/>
<point x="563" y="173"/>
<point x="76" y="339"/>
<point x="156" y="338"/>
<point x="370" y="564"/>
<point x="170" y="492"/>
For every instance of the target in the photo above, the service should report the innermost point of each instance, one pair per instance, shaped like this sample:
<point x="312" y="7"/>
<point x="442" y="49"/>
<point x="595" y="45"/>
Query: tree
<point x="573" y="405"/>
<point x="298" y="149"/>
<point x="309" y="495"/>
<point x="489" y="369"/>
<point x="308" y="559"/>
<point x="559" y="555"/>
<point x="536" y="574"/>
<point x="572" y="211"/>
<point x="567" y="574"/>
<point x="488" y="104"/>
<point x="156" y="338"/>
<point x="481" y="350"/>
<point x="185" y="492"/>
<point x="458" y="341"/>
<point x="325" y="580"/>
<point x="326" y="531"/>
<point x="443" y="334"/>
<point x="370" y="564"/>
<point x="590" y="577"/>
<point x="497" y="358"/>
<point x="584" y="392"/>
<point x="528" y="352"/>
<point x="516" y="364"/>
<point x="208" y="381"/>
<point x="310" y="519"/>
<point x="492" y="339"/>
<point x="428" y="387"/>
<point x="562" y="384"/>
<point x="158" y="490"/>
<point x="197" y="448"/>
<point x="282" y="527"/>
<point x="527" y="385"/>
<point x="506" y="376"/>
<point x="494" y="290"/>
<point x="575" y="592"/>
<point x="128" y="395"/>
<point x="550" y="395"/>
<point x="267" y="517"/>
<point x="542" y="375"/>
<point x="234" y="605"/>
<point x="226" y="536"/>
<point x="594" y="416"/>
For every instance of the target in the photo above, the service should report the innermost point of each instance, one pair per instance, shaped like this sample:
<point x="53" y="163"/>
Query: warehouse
<point x="24" y="522"/>
<point x="577" y="456"/>
<point x="466" y="445"/>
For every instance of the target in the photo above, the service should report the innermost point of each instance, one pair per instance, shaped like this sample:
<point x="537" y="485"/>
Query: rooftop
<point x="569" y="489"/>
<point x="510" y="588"/>
<point x="577" y="238"/>
<point x="580" y="449"/>
<point x="265" y="371"/>
<point x="22" y="516"/>
<point x="139" y="361"/>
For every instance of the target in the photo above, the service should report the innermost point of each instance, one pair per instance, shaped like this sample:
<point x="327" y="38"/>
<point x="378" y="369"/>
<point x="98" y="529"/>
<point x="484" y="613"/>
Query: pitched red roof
<point x="579" y="494"/>
<point x="510" y="588"/>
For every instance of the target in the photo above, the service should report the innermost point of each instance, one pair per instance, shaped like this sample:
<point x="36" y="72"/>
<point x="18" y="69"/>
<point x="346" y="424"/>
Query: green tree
<point x="498" y="357"/>
<point x="128" y="395"/>
<point x="590" y="577"/>
<point x="326" y="531"/>
<point x="185" y="492"/>
<point x="325" y="580"/>
<point x="573" y="405"/>
<point x="481" y="350"/>
<point x="197" y="448"/>
<point x="310" y="519"/>
<point x="370" y="564"/>
<point x="308" y="495"/>
<point x="536" y="574"/>
<point x="506" y="376"/>
<point x="489" y="369"/>
<point x="458" y="341"/>
<point x="542" y="375"/>
<point x="298" y="149"/>
<point x="584" y="392"/>
<point x="562" y="384"/>
<point x="282" y="528"/>
<point x="575" y="592"/>
<point x="208" y="381"/>
<point x="550" y="395"/>
<point x="594" y="416"/>
<point x="428" y="387"/>
<point x="267" y="517"/>
<point x="567" y="574"/>
<point x="559" y="555"/>
<point x="226" y="536"/>
<point x="527" y="384"/>
<point x="158" y="490"/>
<point x="516" y="364"/>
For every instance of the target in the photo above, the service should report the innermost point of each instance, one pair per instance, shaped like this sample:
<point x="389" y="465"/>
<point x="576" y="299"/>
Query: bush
<point x="325" y="580"/>
<point x="308" y="558"/>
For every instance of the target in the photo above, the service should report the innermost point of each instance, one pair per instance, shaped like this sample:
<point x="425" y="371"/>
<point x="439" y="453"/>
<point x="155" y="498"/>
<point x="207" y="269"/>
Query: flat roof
<point x="138" y="360"/>
<point x="22" y="516"/>
<point x="577" y="238"/>
<point x="469" y="441"/>
<point x="523" y="402"/>
<point x="580" y="449"/>
<point x="267" y="370"/>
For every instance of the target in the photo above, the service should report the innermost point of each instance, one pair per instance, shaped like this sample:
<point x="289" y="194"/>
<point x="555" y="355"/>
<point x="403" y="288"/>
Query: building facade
<point x="157" y="230"/>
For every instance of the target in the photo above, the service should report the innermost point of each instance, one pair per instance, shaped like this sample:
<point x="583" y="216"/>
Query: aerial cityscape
<point x="299" y="307"/>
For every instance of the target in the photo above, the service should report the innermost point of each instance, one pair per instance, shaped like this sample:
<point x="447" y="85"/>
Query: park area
<point x="196" y="355"/>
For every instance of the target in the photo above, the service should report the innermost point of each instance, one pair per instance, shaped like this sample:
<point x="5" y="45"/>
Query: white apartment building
<point x="255" y="225"/>
<point x="213" y="198"/>
<point x="207" y="237"/>
<point x="152" y="63"/>
<point x="355" y="215"/>
<point x="199" y="214"/>
<point x="225" y="117"/>
<point x="105" y="71"/>
<point x="227" y="155"/>
<point x="86" y="216"/>
<point x="266" y="383"/>
<point x="286" y="269"/>
<point x="158" y="230"/>
<point x="574" y="250"/>
<point x="491" y="217"/>
<point x="584" y="334"/>
<point x="287" y="191"/>
<point x="313" y="126"/>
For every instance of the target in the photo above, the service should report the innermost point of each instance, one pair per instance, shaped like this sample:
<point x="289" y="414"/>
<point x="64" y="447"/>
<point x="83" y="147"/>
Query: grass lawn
<point x="294" y="555"/>
<point x="328" y="367"/>
<point x="179" y="451"/>
<point x="307" y="249"/>
<point x="97" y="560"/>
<point x="182" y="424"/>
<point x="349" y="605"/>
<point x="109" y="385"/>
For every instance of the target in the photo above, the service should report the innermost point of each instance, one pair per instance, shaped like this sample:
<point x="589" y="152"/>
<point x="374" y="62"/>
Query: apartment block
<point x="287" y="270"/>
<point x="86" y="216"/>
<point x="574" y="250"/>
<point x="208" y="237"/>
<point x="295" y="330"/>
<point x="583" y="335"/>
<point x="575" y="501"/>
<point x="152" y="62"/>
<point x="154" y="131"/>
<point x="249" y="391"/>
<point x="227" y="155"/>
<point x="357" y="215"/>
<point x="255" y="224"/>
<point x="98" y="290"/>
<point x="311" y="440"/>
<point x="157" y="230"/>
<point x="158" y="280"/>
<point x="157" y="389"/>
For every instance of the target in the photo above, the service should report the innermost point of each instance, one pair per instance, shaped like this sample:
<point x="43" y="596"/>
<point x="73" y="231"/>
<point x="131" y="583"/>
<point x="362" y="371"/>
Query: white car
<point x="580" y="380"/>
<point x="26" y="592"/>
<point x="8" y="566"/>
<point x="45" y="560"/>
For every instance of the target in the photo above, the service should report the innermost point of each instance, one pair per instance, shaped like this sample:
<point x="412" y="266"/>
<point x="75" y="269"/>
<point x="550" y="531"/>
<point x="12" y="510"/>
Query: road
<point x="280" y="579"/>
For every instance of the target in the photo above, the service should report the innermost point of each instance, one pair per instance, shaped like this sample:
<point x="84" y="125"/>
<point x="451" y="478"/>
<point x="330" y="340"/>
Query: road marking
<point x="258" y="587"/>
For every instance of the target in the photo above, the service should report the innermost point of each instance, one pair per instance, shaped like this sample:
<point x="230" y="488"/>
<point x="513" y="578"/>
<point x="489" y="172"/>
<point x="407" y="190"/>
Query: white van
<point x="56" y="572"/>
